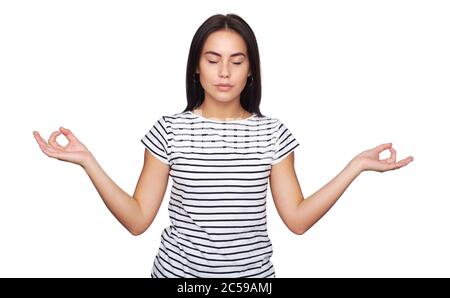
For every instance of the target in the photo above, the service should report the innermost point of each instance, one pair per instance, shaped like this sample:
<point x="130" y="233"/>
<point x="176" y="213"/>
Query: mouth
<point x="224" y="87"/>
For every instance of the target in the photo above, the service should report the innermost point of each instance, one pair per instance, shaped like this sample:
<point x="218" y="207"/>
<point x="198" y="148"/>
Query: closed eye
<point x="215" y="62"/>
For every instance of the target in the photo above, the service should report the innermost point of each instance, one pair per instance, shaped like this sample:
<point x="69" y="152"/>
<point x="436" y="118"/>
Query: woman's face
<point x="223" y="61"/>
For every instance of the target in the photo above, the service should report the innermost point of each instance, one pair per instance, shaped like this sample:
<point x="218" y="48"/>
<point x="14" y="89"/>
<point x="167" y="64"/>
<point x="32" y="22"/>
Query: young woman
<point x="221" y="152"/>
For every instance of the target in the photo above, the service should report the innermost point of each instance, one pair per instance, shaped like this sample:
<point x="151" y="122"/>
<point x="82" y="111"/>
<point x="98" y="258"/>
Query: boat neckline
<point x="222" y="121"/>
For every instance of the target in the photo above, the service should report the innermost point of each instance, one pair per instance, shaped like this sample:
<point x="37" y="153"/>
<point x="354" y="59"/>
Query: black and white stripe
<point x="217" y="207"/>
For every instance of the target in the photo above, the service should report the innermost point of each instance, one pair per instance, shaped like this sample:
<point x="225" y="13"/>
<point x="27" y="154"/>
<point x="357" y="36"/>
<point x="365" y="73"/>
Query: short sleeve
<point x="156" y="140"/>
<point x="284" y="144"/>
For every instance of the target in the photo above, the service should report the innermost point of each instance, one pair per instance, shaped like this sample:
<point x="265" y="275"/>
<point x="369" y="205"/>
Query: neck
<point x="214" y="109"/>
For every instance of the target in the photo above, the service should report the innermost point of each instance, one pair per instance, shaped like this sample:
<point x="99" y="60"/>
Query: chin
<point x="223" y="96"/>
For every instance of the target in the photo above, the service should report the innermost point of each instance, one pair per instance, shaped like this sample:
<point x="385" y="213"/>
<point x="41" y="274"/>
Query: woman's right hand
<point x="74" y="152"/>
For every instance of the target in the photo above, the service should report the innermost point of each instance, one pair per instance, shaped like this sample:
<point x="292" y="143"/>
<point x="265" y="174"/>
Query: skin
<point x="223" y="60"/>
<point x="137" y="212"/>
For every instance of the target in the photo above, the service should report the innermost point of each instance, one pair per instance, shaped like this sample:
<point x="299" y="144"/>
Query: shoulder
<point x="176" y="116"/>
<point x="168" y="119"/>
<point x="266" y="118"/>
<point x="268" y="121"/>
<point x="283" y="124"/>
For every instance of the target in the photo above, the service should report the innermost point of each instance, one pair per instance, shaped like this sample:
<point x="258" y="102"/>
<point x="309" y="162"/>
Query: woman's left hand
<point x="369" y="160"/>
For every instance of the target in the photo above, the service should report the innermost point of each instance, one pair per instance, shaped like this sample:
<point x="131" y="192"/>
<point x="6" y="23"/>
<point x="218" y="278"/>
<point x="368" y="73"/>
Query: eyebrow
<point x="232" y="55"/>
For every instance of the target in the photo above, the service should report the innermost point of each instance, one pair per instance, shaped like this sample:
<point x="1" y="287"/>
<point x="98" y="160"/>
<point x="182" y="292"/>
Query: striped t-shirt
<point x="220" y="172"/>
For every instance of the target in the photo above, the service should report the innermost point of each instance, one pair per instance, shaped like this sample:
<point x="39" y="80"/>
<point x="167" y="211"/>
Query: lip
<point x="223" y="87"/>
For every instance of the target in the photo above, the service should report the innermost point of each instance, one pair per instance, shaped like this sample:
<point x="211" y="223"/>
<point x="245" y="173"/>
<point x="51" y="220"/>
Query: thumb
<point x="68" y="133"/>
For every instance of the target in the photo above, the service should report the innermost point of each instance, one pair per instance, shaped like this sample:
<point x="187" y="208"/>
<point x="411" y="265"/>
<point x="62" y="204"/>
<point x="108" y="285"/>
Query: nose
<point x="224" y="71"/>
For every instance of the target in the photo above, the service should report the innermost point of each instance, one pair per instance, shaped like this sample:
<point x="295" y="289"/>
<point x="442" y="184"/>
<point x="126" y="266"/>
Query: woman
<point x="221" y="153"/>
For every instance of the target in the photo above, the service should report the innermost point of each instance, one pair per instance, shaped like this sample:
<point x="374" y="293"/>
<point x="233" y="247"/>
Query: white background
<point x="344" y="76"/>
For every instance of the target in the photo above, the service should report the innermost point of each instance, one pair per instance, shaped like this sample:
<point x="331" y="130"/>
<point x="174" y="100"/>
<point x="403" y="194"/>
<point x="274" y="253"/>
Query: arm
<point x="135" y="213"/>
<point x="300" y="214"/>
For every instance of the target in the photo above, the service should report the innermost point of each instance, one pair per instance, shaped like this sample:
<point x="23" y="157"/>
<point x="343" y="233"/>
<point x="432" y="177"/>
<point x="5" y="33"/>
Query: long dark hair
<point x="251" y="94"/>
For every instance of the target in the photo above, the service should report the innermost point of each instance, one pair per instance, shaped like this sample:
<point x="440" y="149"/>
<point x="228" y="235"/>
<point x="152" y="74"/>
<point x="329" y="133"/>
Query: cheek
<point x="243" y="75"/>
<point x="207" y="77"/>
<point x="243" y="71"/>
<point x="207" y="72"/>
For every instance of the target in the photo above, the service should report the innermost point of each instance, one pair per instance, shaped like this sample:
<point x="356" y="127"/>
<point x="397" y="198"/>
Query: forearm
<point x="124" y="207"/>
<point x="310" y="210"/>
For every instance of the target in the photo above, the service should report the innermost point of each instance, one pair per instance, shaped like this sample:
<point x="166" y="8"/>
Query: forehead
<point x="225" y="42"/>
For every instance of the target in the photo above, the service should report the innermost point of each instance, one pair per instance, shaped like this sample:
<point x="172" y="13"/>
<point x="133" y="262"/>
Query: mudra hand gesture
<point x="369" y="160"/>
<point x="75" y="151"/>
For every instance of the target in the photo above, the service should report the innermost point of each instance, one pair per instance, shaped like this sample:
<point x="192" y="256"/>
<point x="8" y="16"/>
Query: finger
<point x="404" y="161"/>
<point x="42" y="143"/>
<point x="52" y="140"/>
<point x="39" y="139"/>
<point x="399" y="164"/>
<point x="46" y="148"/>
<point x="392" y="157"/>
<point x="382" y="147"/>
<point x="68" y="133"/>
